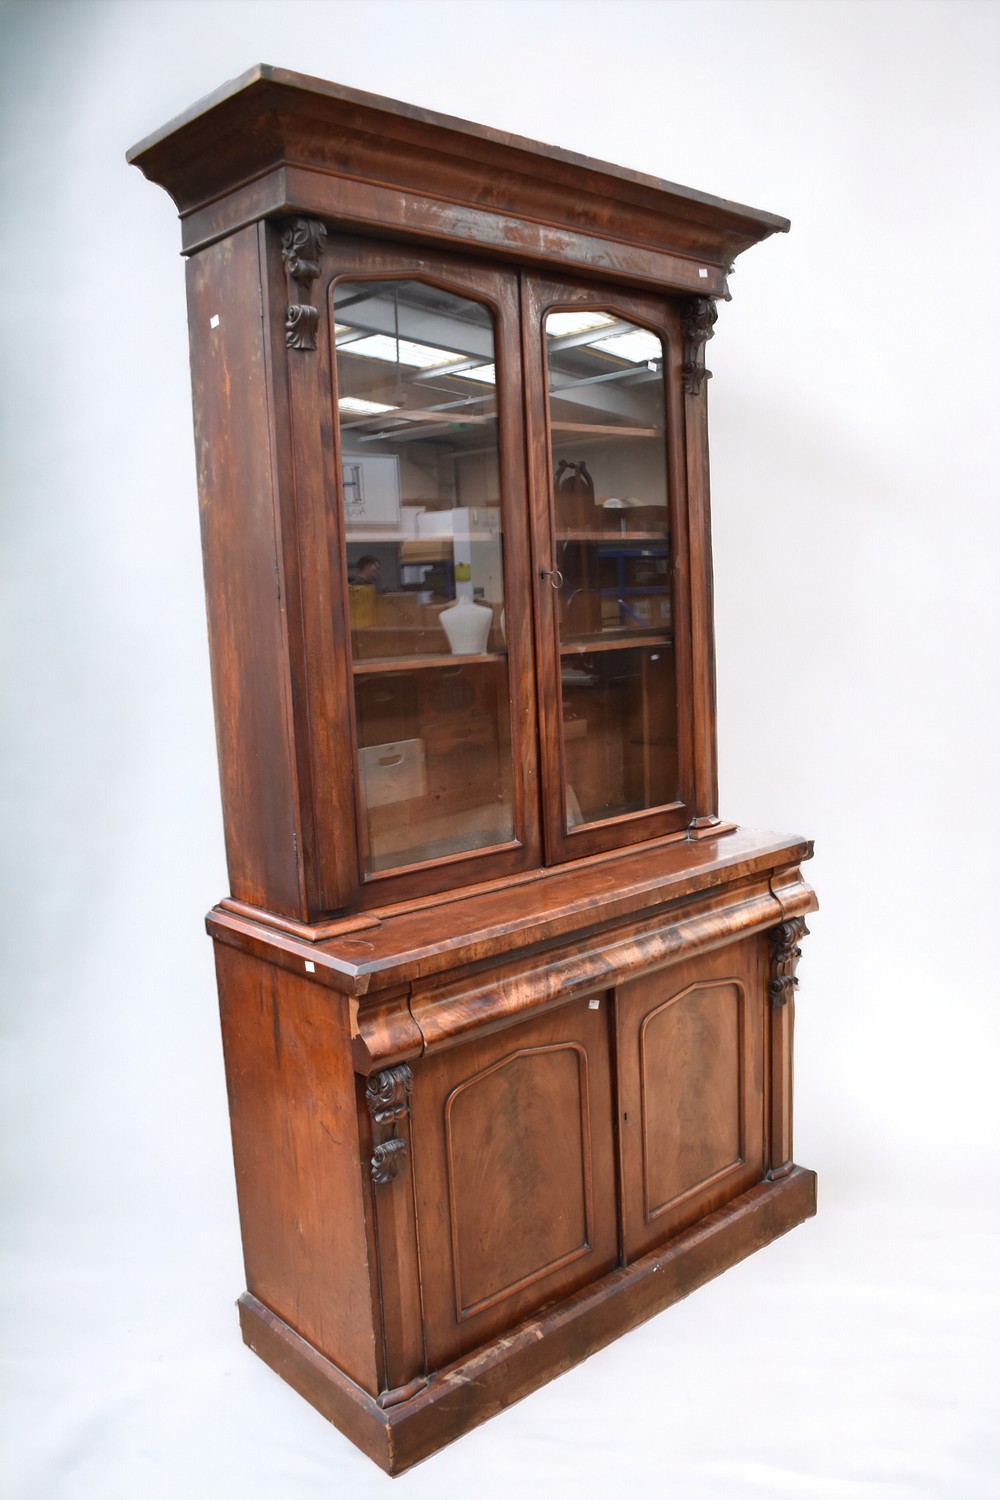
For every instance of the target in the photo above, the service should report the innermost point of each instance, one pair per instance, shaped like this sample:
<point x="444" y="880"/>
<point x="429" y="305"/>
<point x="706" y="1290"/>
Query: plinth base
<point x="457" y="1398"/>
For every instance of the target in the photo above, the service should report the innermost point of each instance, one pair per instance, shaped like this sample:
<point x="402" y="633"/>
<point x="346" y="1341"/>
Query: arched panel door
<point x="691" y="1059"/>
<point x="513" y="1163"/>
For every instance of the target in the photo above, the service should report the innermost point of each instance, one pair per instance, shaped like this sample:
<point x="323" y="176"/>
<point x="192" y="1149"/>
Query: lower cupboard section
<point x="540" y="1157"/>
<point x="492" y="1211"/>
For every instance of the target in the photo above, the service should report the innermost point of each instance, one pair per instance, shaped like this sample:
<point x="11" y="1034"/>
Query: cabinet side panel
<point x="293" y="1111"/>
<point x="246" y="622"/>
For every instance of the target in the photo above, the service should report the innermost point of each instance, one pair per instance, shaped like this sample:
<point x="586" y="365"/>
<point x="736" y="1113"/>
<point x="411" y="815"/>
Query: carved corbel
<point x="388" y="1094"/>
<point x="387" y="1160"/>
<point x="785" y="954"/>
<point x="388" y="1100"/>
<point x="302" y="244"/>
<point x="698" y="326"/>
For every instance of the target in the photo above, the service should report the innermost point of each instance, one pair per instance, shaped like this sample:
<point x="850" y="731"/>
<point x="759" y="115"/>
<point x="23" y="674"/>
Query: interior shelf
<point x="408" y="539"/>
<point x="612" y="641"/>
<point x="423" y="663"/>
<point x="604" y="429"/>
<point x="610" y="538"/>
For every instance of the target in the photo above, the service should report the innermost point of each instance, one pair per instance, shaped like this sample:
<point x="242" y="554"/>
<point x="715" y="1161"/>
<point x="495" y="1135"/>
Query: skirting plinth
<point x="457" y="1398"/>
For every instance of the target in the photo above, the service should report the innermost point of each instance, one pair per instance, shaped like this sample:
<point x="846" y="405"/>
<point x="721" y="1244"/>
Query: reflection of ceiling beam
<point x="598" y="393"/>
<point x="457" y="367"/>
<point x="594" y="397"/>
<point x="421" y="325"/>
<point x="408" y="414"/>
<point x="404" y="424"/>
<point x="639" y="374"/>
<point x="587" y="336"/>
<point x="398" y="416"/>
<point x="402" y="434"/>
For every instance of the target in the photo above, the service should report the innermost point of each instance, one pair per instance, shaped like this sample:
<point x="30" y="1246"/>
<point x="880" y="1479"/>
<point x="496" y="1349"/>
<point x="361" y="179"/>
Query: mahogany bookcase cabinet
<point x="506" y="1007"/>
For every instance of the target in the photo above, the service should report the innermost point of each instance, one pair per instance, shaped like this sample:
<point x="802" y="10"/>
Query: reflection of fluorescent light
<point x="558" y="324"/>
<point x="637" y="346"/>
<point x="486" y="373"/>
<point x="355" y="407"/>
<point x="383" y="347"/>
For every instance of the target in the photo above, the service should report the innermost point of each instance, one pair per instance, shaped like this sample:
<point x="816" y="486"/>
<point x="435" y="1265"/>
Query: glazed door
<point x="512" y="546"/>
<point x="691" y="1065"/>
<point x="607" y="468"/>
<point x="513" y="1162"/>
<point x="434" y="567"/>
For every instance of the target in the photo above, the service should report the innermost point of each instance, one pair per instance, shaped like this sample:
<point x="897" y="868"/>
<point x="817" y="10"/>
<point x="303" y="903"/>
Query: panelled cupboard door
<point x="691" y="1065"/>
<point x="513" y="1163"/>
<point x="607" y="459"/>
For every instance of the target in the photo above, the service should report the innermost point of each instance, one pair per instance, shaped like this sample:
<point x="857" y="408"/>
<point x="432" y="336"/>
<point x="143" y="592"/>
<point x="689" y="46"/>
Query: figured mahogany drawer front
<point x="691" y="1065"/>
<point x="513" y="1164"/>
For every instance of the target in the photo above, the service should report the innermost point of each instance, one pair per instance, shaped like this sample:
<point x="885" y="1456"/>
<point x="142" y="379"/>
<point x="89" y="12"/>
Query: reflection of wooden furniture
<point x="491" y="1110"/>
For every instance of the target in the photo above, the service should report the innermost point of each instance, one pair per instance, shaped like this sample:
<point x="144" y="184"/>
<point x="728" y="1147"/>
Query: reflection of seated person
<point x="367" y="569"/>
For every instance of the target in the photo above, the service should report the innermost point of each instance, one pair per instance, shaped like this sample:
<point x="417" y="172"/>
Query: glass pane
<point x="619" y="731"/>
<point x="612" y="534"/>
<point x="435" y="762"/>
<point x="416" y="399"/>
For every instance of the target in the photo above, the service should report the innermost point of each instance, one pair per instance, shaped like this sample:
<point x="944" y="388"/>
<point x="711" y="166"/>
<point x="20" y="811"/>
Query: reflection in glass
<point x="607" y="433"/>
<point x="416" y="403"/>
<point x="435" y="762"/>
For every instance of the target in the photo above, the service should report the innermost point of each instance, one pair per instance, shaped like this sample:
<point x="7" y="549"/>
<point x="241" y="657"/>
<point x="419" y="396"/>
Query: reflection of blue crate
<point x="393" y="772"/>
<point x="637" y="610"/>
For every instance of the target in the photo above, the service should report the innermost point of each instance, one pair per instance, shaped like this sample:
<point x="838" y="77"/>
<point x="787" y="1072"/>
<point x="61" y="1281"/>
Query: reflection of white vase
<point x="467" y="627"/>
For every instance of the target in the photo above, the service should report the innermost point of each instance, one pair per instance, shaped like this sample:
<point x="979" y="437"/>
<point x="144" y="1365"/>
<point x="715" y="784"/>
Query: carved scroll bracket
<point x="302" y="245"/>
<point x="785" y="954"/>
<point x="387" y="1160"/>
<point x="388" y="1099"/>
<point x="698" y="326"/>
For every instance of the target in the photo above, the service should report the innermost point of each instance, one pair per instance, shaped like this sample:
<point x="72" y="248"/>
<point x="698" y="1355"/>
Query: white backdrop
<point x="855" y="489"/>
